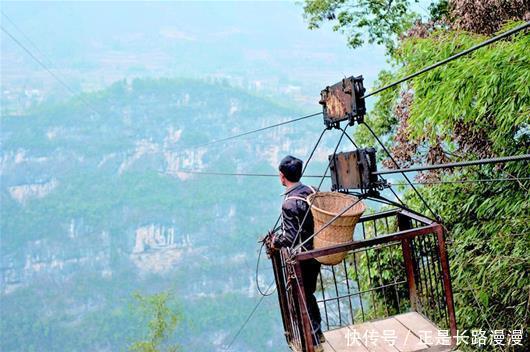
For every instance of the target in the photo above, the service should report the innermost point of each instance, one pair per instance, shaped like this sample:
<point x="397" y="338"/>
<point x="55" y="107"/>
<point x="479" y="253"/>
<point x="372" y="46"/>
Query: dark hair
<point x="291" y="168"/>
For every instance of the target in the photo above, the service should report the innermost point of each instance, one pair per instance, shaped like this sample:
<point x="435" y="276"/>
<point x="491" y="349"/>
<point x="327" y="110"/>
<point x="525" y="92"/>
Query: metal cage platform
<point x="396" y="273"/>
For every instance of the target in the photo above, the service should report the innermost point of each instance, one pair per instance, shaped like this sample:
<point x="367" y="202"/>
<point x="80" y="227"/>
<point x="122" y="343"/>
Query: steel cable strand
<point x="305" y="167"/>
<point x="257" y="274"/>
<point x="247" y="320"/>
<point x="279" y="217"/>
<point x="381" y="177"/>
<point x="327" y="224"/>
<point x="436" y="216"/>
<point x="221" y="140"/>
<point x="319" y="185"/>
<point x="449" y="59"/>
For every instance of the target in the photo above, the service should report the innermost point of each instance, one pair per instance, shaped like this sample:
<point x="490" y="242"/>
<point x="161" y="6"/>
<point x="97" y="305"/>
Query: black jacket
<point x="294" y="209"/>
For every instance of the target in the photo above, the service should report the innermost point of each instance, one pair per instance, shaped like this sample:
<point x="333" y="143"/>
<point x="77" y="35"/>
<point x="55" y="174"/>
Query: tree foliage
<point x="487" y="16"/>
<point x="163" y="321"/>
<point x="363" y="21"/>
<point x="476" y="106"/>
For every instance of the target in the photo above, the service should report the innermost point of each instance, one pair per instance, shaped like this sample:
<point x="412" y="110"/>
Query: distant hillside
<point x="93" y="209"/>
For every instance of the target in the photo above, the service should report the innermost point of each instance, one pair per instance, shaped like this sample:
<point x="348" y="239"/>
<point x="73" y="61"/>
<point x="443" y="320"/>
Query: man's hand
<point x="269" y="244"/>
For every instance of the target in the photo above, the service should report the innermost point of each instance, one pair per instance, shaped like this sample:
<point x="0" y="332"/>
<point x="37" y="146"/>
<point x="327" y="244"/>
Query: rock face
<point x="94" y="208"/>
<point x="158" y="261"/>
<point x="153" y="237"/>
<point x="23" y="193"/>
<point x="156" y="249"/>
<point x="80" y="250"/>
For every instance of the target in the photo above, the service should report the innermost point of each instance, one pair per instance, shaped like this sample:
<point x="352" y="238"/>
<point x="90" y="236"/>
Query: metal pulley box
<point x="354" y="170"/>
<point x="343" y="101"/>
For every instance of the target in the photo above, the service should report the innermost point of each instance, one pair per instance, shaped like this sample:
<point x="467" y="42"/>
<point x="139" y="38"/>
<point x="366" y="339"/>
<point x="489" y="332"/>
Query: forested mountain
<point x="94" y="208"/>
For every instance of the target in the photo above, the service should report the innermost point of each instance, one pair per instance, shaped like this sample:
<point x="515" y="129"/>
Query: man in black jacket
<point x="294" y="232"/>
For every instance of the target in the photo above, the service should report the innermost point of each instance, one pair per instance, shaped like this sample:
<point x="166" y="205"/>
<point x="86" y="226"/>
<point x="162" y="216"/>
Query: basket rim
<point x="316" y="194"/>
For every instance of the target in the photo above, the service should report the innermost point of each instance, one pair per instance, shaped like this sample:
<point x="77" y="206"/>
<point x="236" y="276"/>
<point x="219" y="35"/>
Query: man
<point x="294" y="210"/>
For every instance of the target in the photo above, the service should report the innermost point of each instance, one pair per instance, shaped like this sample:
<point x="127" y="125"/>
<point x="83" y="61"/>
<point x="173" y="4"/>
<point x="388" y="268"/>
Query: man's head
<point x="290" y="170"/>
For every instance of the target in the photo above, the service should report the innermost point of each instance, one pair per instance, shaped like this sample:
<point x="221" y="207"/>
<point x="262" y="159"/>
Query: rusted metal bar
<point x="405" y="223"/>
<point x="409" y="268"/>
<point x="435" y="259"/>
<point x="444" y="303"/>
<point x="397" y="236"/>
<point x="395" y="266"/>
<point x="378" y="261"/>
<point x="304" y="314"/>
<point x="424" y="220"/>
<point x="336" y="294"/>
<point x="427" y="262"/>
<point x="368" y="265"/>
<point x="422" y="288"/>
<point x="358" y="285"/>
<point x="383" y="214"/>
<point x="281" y="290"/>
<point x="446" y="277"/>
<point x="293" y="314"/>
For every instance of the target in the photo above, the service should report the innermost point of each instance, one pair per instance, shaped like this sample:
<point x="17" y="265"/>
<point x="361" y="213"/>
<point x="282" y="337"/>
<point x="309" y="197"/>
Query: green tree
<point x="363" y="21"/>
<point x="477" y="106"/>
<point x="163" y="321"/>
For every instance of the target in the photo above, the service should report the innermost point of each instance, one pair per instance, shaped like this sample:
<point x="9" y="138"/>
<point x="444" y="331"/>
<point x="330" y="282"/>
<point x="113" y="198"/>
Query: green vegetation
<point x="163" y="321"/>
<point x="363" y="21"/>
<point x="477" y="106"/>
<point x="487" y="92"/>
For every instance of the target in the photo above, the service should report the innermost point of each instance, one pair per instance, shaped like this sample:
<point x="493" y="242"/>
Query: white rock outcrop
<point x="22" y="193"/>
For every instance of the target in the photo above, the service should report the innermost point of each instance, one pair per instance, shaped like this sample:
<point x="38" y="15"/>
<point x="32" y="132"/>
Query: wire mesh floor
<point x="404" y="332"/>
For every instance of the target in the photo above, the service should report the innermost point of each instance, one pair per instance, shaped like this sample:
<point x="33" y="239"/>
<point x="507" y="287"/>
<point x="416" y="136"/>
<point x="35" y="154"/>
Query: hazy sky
<point x="94" y="43"/>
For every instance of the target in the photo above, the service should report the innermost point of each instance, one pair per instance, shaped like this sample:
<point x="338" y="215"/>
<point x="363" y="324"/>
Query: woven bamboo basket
<point x="324" y="207"/>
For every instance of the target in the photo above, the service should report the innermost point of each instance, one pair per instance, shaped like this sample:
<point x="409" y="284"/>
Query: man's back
<point x="294" y="209"/>
<point x="297" y="227"/>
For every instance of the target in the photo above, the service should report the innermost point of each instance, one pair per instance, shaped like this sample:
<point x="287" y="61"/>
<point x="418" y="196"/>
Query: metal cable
<point x="197" y="172"/>
<point x="266" y="293"/>
<point x="451" y="58"/>
<point x="247" y="320"/>
<point x="387" y="201"/>
<point x="404" y="175"/>
<point x="381" y="177"/>
<point x="221" y="140"/>
<point x="498" y="160"/>
<point x="319" y="185"/>
<point x="28" y="39"/>
<point x="53" y="74"/>
<point x="313" y="151"/>
<point x="501" y="179"/>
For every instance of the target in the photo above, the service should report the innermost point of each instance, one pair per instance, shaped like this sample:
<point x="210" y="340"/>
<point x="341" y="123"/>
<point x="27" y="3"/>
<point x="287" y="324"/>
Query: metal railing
<point x="396" y="263"/>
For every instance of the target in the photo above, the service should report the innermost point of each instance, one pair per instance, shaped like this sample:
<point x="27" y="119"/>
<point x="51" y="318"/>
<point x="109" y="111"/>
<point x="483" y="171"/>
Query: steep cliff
<point x="95" y="207"/>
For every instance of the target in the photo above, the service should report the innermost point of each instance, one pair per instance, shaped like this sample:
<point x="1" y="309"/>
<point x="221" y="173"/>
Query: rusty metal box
<point x="353" y="170"/>
<point x="343" y="101"/>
